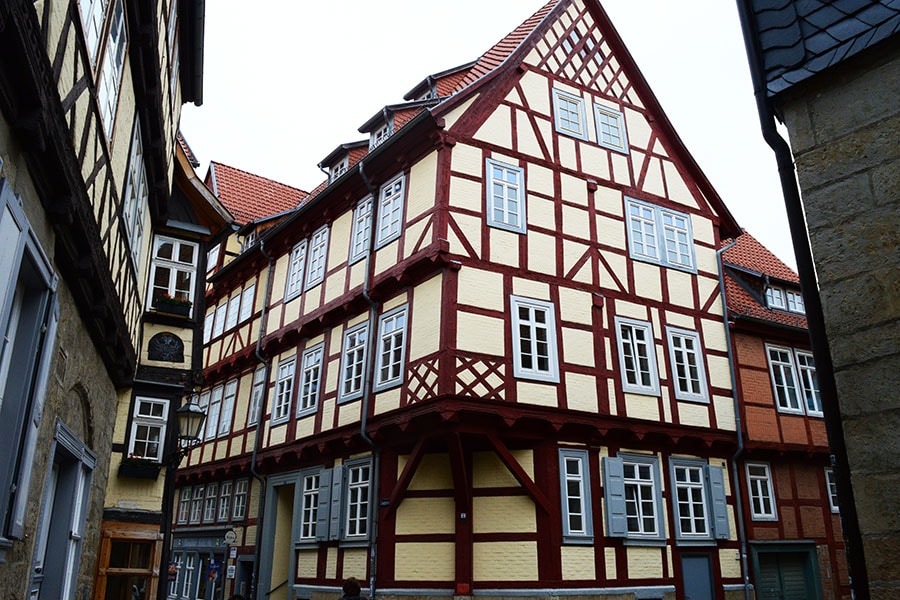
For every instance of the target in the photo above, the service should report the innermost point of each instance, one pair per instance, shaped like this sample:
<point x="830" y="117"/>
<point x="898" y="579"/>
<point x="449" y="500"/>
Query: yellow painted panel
<point x="279" y="276"/>
<point x="647" y="281"/>
<point x="678" y="191"/>
<point x="451" y="117"/>
<point x="642" y="407"/>
<point x="567" y="156"/>
<point x="504" y="561"/>
<point x="611" y="231"/>
<point x="577" y="346"/>
<point x="426" y="318"/>
<point x="709" y="286"/>
<point x="479" y="288"/>
<point x="349" y="413"/>
<point x="677" y="319"/>
<point x="706" y="259"/>
<point x="331" y="563"/>
<point x="434" y="561"/>
<point x="610" y="556"/>
<point x="621" y="174"/>
<point x="489" y="471"/>
<point x="307" y="560"/>
<point x="581" y="392"/>
<point x="595" y="161"/>
<point x="221" y="450"/>
<point x="576" y="222"/>
<point x="472" y="228"/>
<point x="541" y="394"/>
<point x="503" y="514"/>
<point x="576" y="306"/>
<point x="644" y="563"/>
<point x="696" y="415"/>
<point x="540" y="180"/>
<point x="496" y="129"/>
<point x="277" y="435"/>
<point x="713" y="335"/>
<point x="355" y="562"/>
<point x="504" y="247"/>
<point x="613" y="407"/>
<point x="306" y="426"/>
<point x="638" y="128"/>
<point x="237" y="446"/>
<point x="387" y="256"/>
<point x="632" y="310"/>
<point x="542" y="253"/>
<point x="466" y="159"/>
<point x="729" y="564"/>
<point x="477" y="333"/>
<point x="681" y="291"/>
<point x="274" y="319"/>
<point x="426" y="516"/>
<point x="312" y="301"/>
<point x="528" y="288"/>
<point x="541" y="212"/>
<point x="578" y="562"/>
<point x="719" y="372"/>
<point x="574" y="189"/>
<point x="387" y="401"/>
<point x="466" y="193"/>
<point x="422" y="184"/>
<point x="724" y="412"/>
<point x="433" y="473"/>
<point x="535" y="88"/>
<point x="527" y="140"/>
<point x="702" y="228"/>
<point x="357" y="274"/>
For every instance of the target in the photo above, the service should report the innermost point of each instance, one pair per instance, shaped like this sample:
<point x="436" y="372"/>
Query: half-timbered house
<point x="101" y="215"/>
<point x="487" y="356"/>
<point x="790" y="504"/>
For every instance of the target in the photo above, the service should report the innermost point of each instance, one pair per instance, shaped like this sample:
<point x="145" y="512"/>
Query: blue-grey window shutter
<point x="324" y="505"/>
<point x="33" y="425"/>
<point x="337" y="486"/>
<point x="716" y="478"/>
<point x="614" y="494"/>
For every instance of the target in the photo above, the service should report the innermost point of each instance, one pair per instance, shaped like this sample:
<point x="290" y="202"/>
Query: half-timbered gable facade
<point x="788" y="492"/>
<point x="490" y="356"/>
<point x="90" y="97"/>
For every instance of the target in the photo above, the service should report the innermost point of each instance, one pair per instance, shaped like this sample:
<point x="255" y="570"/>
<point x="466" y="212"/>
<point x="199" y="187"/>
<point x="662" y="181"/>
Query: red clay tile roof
<point x="187" y="150"/>
<point x="741" y="303"/>
<point x="250" y="197"/>
<point x="750" y="254"/>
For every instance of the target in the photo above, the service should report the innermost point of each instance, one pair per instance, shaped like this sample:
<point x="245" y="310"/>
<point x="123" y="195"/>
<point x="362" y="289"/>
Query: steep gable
<point x="248" y="196"/>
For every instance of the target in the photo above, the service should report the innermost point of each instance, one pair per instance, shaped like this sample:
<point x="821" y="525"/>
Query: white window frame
<point x="175" y="267"/>
<point x="239" y="506"/>
<point x="806" y="373"/>
<point x="248" y="296"/>
<point x="212" y="258"/>
<point x="136" y="196"/>
<point x="391" y="358"/>
<point x="338" y="169"/>
<point x="109" y="83"/>
<point x="379" y="135"/>
<point x="683" y="360"/>
<point x="647" y="388"/>
<point x="526" y="364"/>
<point x="760" y="489"/>
<point x="652" y="232"/>
<point x="219" y="320"/>
<point x="561" y="110"/>
<point x="691" y="502"/>
<point x="831" y="488"/>
<point x="784" y="379"/>
<point x="293" y="286"/>
<point x="257" y="394"/>
<point x="224" y="510"/>
<point x="775" y="298"/>
<point x="390" y="211"/>
<point x="318" y="257"/>
<point x="208" y="321"/>
<point x="310" y="482"/>
<point x="188" y="583"/>
<point x="310" y="379"/>
<point x="213" y="412"/>
<point x="638" y="483"/>
<point x="197" y="505"/>
<point x="211" y="503"/>
<point x="505" y="187"/>
<point x="608" y="120"/>
<point x="353" y="357"/>
<point x="140" y="419"/>
<point x="795" y="302"/>
<point x="575" y="489"/>
<point x="362" y="229"/>
<point x="234" y="309"/>
<point x="227" y="412"/>
<point x="93" y="16"/>
<point x="284" y="390"/>
<point x="184" y="505"/>
<point x="358" y="500"/>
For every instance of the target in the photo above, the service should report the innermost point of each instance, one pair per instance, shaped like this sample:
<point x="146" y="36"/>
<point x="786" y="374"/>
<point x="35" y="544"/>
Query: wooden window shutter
<point x="716" y="478"/>
<point x="614" y="494"/>
<point x="324" y="505"/>
<point x="337" y="486"/>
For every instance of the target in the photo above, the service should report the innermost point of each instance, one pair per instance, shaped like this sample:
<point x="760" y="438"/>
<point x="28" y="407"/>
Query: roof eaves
<point x="431" y="79"/>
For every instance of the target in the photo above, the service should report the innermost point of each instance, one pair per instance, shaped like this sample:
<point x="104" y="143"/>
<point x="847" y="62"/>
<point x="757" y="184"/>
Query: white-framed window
<point x="659" y="235"/>
<point x="318" y="255"/>
<point x="249" y="240"/>
<point x="203" y="403"/>
<point x="136" y="194"/>
<point x="197" y="504"/>
<point x="309" y="506"/>
<point x="569" y="114"/>
<point x="390" y="211"/>
<point x="210" y="502"/>
<point x="641" y="498"/>
<point x="505" y="196"/>
<point x="688" y="373"/>
<point x="806" y="367"/>
<point x="362" y="229"/>
<point x="784" y="379"/>
<point x="148" y="428"/>
<point x="296" y="267"/>
<point x="575" y="493"/>
<point x="338" y="169"/>
<point x="762" y="494"/>
<point x="831" y="484"/>
<point x="692" y="514"/>
<point x="173" y="270"/>
<point x="213" y="412"/>
<point x="391" y="348"/>
<point x="110" y="81"/>
<point x="256" y="395"/>
<point x="380" y="135"/>
<point x="358" y="490"/>
<point x="173" y="75"/>
<point x="310" y="379"/>
<point x="212" y="258"/>
<point x="208" y="325"/>
<point x="775" y="298"/>
<point x="637" y="356"/>
<point x="188" y="584"/>
<point x="184" y="505"/>
<point x="248" y="296"/>
<point x="234" y="308"/>
<point x="93" y="14"/>
<point x="178" y="561"/>
<point x="795" y="302"/>
<point x="633" y="498"/>
<point x="224" y="502"/>
<point x="534" y="339"/>
<point x="353" y="357"/>
<point x="611" y="128"/>
<point x="172" y="25"/>
<point x="228" y="407"/>
<point x="284" y="389"/>
<point x="240" y="499"/>
<point x="219" y="320"/>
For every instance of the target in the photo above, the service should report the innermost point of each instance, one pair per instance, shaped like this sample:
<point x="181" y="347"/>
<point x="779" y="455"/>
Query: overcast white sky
<point x="285" y="82"/>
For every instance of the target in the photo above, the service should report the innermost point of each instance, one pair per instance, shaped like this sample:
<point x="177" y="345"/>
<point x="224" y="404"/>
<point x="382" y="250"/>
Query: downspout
<point x="735" y="471"/>
<point x="367" y="386"/>
<point x="856" y="562"/>
<point x="260" y="508"/>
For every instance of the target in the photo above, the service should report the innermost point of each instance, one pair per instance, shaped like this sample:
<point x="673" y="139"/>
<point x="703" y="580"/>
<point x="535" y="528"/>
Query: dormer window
<point x="783" y="299"/>
<point x="775" y="298"/>
<point x="338" y="169"/>
<point x="795" y="302"/>
<point x="249" y="240"/>
<point x="379" y="135"/>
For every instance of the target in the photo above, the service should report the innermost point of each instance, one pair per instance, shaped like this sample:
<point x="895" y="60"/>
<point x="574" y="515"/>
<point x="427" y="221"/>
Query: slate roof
<point x="800" y="38"/>
<point x="250" y="197"/>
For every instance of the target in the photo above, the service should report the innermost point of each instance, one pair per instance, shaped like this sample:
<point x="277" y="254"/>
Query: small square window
<point x="569" y="114"/>
<point x="148" y="428"/>
<point x="795" y="302"/>
<point x="505" y="192"/>
<point x="611" y="128"/>
<point x="775" y="298"/>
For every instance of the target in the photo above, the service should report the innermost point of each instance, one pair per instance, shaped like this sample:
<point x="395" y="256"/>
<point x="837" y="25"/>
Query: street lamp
<point x="190" y="424"/>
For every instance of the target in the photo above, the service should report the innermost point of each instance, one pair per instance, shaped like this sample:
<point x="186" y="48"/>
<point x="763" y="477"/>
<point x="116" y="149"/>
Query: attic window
<point x="249" y="240"/>
<point x="379" y="135"/>
<point x="338" y="169"/>
<point x="781" y="299"/>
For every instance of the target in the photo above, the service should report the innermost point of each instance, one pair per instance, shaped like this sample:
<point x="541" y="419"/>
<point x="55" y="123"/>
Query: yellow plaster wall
<point x="477" y="333"/>
<point x="467" y="159"/>
<point x="426" y="516"/>
<point x="433" y="472"/>
<point x="307" y="561"/>
<point x="527" y="137"/>
<point x="504" y="561"/>
<point x="647" y="281"/>
<point x="425" y="318"/>
<point x="489" y="471"/>
<point x="581" y="392"/>
<point x="695" y="415"/>
<point x="504" y="246"/>
<point x="578" y="562"/>
<point x="540" y="394"/>
<point x="387" y="401"/>
<point x="483" y="289"/>
<point x="642" y="407"/>
<point x="472" y="226"/>
<point x="503" y="514"/>
<point x="644" y="562"/>
<point x="541" y="211"/>
<point x="349" y="413"/>
<point x="714" y="335"/>
<point x="578" y="346"/>
<point x="609" y="554"/>
<point x="729" y="565"/>
<point x="542" y="253"/>
<point x="355" y="562"/>
<point x="422" y="186"/>
<point x="434" y="561"/>
<point x="496" y="129"/>
<point x="528" y="288"/>
<point x="465" y="193"/>
<point x="387" y="256"/>
<point x="724" y="412"/>
<point x="534" y="87"/>
<point x="574" y="190"/>
<point x="454" y="115"/>
<point x="331" y="563"/>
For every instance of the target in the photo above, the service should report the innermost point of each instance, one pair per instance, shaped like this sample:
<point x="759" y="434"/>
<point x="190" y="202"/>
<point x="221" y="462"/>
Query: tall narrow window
<point x="637" y="357"/>
<point x="224" y="502"/>
<point x="762" y="496"/>
<point x="318" y="254"/>
<point x="648" y="223"/>
<point x="391" y="348"/>
<point x="134" y="198"/>
<point x="208" y="326"/>
<point x="390" y="212"/>
<point x="679" y="241"/>
<point x="362" y="229"/>
<point x="214" y="412"/>
<point x="173" y="270"/>
<point x="575" y="493"/>
<point x="357" y="522"/>
<point x="247" y="298"/>
<point x="640" y="498"/>
<point x="210" y="503"/>
<point x="831" y="485"/>
<point x="187" y="590"/>
<point x="310" y="506"/>
<point x="784" y="379"/>
<point x="311" y="363"/>
<point x="296" y="266"/>
<point x="219" y="321"/>
<point x="505" y="192"/>
<point x="534" y="339"/>
<point x="352" y="362"/>
<point x="690" y="501"/>
<point x="228" y="407"/>
<point x="284" y="388"/>
<point x="93" y="13"/>
<point x="148" y="428"/>
<point x="688" y="375"/>
<point x="611" y="128"/>
<point x="197" y="504"/>
<point x="113" y="64"/>
<point x="234" y="308"/>
<point x="184" y="505"/>
<point x="810" y="383"/>
<point x="240" y="499"/>
<point x="569" y="112"/>
<point x="256" y="396"/>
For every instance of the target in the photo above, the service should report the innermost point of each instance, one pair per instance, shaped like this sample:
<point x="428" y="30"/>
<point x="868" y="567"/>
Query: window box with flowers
<point x="174" y="305"/>
<point x="139" y="468"/>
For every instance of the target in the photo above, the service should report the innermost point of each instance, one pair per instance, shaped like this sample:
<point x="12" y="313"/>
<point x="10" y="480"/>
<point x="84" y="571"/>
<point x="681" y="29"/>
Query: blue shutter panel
<point x="614" y="494"/>
<point x="716" y="478"/>
<point x="337" y="486"/>
<point x="324" y="504"/>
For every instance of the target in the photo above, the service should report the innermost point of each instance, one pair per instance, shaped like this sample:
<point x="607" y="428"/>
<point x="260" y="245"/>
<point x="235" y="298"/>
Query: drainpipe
<point x="260" y="509"/>
<point x="367" y="386"/>
<point x="735" y="471"/>
<point x="856" y="562"/>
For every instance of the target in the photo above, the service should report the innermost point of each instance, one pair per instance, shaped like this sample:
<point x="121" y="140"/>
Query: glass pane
<point x="164" y="250"/>
<point x="129" y="555"/>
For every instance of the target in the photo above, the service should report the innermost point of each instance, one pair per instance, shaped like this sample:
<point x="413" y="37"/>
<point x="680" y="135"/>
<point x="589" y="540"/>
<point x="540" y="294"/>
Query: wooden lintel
<point x="519" y="473"/>
<point x="406" y="476"/>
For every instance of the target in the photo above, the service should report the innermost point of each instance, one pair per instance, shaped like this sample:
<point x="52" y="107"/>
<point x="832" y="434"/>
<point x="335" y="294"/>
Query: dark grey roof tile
<point x="823" y="17"/>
